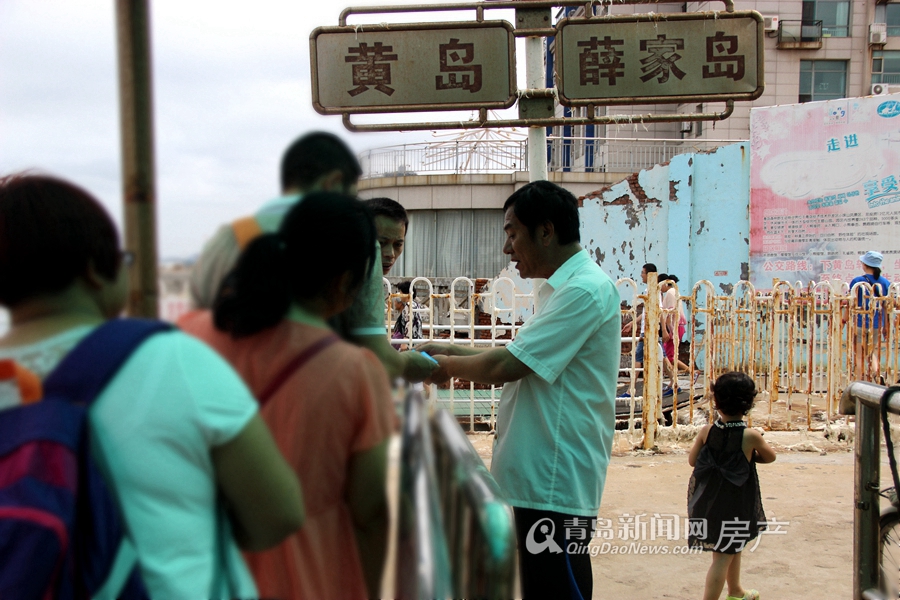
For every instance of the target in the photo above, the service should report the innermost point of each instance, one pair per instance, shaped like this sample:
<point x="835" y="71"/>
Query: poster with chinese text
<point x="824" y="189"/>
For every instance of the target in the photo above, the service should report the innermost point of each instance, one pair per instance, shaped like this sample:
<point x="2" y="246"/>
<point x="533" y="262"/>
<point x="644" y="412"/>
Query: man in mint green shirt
<point x="317" y="161"/>
<point x="557" y="409"/>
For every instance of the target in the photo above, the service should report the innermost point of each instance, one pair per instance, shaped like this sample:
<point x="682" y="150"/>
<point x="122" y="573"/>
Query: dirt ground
<point x="811" y="492"/>
<point x="808" y="489"/>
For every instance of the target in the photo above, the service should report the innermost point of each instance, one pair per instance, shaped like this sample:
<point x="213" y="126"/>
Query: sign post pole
<point x="537" y="136"/>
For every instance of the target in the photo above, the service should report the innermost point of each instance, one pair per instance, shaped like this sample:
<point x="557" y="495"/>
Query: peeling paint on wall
<point x="688" y="234"/>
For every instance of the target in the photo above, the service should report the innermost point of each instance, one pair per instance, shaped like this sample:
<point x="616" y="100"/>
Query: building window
<point x="886" y="66"/>
<point x="892" y="18"/>
<point x="822" y="80"/>
<point x="835" y="16"/>
<point x="453" y="243"/>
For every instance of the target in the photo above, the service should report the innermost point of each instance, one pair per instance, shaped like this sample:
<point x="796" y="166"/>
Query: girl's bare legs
<point x="734" y="577"/>
<point x="717" y="574"/>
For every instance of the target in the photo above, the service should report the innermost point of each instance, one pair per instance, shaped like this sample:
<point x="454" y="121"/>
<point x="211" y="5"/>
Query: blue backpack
<point x="61" y="532"/>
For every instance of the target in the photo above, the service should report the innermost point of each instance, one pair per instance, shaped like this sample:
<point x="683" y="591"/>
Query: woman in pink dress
<point x="327" y="402"/>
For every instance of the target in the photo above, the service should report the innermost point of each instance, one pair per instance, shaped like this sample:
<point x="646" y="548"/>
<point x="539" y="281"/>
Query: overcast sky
<point x="231" y="91"/>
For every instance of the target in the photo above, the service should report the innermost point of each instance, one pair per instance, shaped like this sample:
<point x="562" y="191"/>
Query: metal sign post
<point x="470" y="65"/>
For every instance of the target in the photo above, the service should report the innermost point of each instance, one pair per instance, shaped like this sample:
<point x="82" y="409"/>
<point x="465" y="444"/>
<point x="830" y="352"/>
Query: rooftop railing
<point x="578" y="154"/>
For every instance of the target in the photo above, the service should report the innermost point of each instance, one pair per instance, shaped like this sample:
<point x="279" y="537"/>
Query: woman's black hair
<point x="51" y="231"/>
<point x="876" y="272"/>
<point x="735" y="393"/>
<point x="322" y="237"/>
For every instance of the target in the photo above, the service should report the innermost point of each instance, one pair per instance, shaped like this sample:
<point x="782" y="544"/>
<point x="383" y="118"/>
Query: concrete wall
<point x="690" y="217"/>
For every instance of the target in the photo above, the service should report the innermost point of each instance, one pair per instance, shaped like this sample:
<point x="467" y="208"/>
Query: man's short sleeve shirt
<point x="556" y="425"/>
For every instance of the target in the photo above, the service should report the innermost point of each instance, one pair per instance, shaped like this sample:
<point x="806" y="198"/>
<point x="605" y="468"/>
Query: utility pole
<point x="138" y="169"/>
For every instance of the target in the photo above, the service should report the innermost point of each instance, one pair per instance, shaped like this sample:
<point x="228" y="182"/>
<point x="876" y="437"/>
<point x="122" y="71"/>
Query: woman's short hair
<point x="50" y="232"/>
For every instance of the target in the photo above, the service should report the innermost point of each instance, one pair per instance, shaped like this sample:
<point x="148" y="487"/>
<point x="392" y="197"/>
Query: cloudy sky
<point x="231" y="91"/>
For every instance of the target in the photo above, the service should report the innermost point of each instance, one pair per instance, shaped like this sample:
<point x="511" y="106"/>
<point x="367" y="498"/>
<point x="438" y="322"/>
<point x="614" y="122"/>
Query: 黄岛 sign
<point x="641" y="59"/>
<point x="413" y="67"/>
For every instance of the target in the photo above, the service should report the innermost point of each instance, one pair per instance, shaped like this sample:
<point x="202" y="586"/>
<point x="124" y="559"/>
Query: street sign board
<point x="413" y="67"/>
<point x="660" y="58"/>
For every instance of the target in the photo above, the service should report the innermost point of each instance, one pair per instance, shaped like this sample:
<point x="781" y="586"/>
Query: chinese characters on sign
<point x="662" y="59"/>
<point x="631" y="58"/>
<point x="600" y="59"/>
<point x="371" y="68"/>
<point x="413" y="67"/>
<point x="470" y="74"/>
<point x="724" y="58"/>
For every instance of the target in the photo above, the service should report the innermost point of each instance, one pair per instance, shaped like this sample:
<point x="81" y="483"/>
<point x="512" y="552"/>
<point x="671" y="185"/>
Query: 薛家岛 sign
<point x="640" y="59"/>
<point x="413" y="67"/>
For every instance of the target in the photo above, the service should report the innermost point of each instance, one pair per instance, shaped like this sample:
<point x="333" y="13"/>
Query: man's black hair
<point x="385" y="207"/>
<point x="541" y="201"/>
<point x="316" y="154"/>
<point x="650" y="268"/>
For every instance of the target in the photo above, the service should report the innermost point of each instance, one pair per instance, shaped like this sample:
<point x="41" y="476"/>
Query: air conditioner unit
<point x="879" y="89"/>
<point x="878" y="33"/>
<point x="686" y="126"/>
<point x="770" y="23"/>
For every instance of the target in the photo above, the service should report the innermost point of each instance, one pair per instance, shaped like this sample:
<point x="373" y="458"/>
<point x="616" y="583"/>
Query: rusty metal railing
<point x="803" y="345"/>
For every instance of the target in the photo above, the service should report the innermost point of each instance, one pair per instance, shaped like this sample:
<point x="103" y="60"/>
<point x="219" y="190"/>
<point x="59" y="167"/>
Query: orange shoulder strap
<point x="245" y="230"/>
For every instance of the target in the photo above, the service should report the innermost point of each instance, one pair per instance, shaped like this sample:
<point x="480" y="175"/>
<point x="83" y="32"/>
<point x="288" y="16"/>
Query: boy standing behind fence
<point x="724" y="488"/>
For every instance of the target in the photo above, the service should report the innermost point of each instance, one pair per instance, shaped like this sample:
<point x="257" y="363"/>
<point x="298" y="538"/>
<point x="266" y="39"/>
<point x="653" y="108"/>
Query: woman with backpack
<point x="173" y="430"/>
<point x="327" y="402"/>
<point x="869" y="329"/>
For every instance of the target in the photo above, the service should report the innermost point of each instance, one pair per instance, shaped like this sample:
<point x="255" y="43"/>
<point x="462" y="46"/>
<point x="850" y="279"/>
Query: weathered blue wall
<point x="690" y="217"/>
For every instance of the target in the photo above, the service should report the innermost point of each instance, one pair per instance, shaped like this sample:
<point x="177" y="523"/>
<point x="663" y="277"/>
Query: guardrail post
<point x="863" y="400"/>
<point x="652" y="364"/>
<point x="866" y="511"/>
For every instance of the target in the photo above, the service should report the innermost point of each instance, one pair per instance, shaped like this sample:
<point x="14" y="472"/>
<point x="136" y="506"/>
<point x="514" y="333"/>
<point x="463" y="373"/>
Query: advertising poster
<point x="824" y="189"/>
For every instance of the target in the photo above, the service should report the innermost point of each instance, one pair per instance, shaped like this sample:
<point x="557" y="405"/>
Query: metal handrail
<point x="423" y="566"/>
<point x="864" y="400"/>
<point x="479" y="521"/>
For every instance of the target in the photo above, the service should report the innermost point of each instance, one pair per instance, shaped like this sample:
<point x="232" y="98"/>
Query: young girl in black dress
<point x="724" y="488"/>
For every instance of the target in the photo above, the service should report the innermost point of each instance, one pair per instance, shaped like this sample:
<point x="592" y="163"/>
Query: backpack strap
<point x="84" y="372"/>
<point x="295" y="365"/>
<point x="246" y="230"/>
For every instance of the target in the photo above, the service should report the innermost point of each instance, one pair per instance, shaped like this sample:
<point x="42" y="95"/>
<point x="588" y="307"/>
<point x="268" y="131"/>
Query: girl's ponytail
<point x="256" y="294"/>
